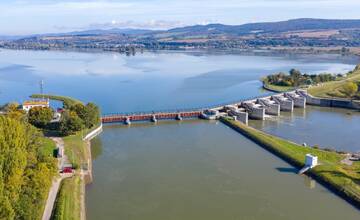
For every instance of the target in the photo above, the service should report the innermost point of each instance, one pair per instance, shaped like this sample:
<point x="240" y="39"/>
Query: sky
<point x="21" y="17"/>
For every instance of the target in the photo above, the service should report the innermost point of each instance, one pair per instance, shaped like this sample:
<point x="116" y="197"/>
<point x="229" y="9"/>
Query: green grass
<point x="334" y="89"/>
<point x="343" y="179"/>
<point x="48" y="147"/>
<point x="76" y="149"/>
<point x="68" y="101"/>
<point x="275" y="88"/>
<point x="67" y="205"/>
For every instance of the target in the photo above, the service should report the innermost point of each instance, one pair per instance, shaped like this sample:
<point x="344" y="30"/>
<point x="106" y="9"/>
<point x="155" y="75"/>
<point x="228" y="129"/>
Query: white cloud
<point x="31" y="16"/>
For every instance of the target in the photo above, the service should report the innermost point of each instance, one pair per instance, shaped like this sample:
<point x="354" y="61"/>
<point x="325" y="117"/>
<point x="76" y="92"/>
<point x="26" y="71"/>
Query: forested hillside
<point x="26" y="170"/>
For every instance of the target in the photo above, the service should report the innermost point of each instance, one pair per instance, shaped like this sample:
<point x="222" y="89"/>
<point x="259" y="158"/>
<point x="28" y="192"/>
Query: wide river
<point x="190" y="169"/>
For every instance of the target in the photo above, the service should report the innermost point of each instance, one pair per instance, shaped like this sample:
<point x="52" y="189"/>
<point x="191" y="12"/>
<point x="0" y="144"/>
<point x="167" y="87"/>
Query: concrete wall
<point x="285" y="105"/>
<point x="257" y="113"/>
<point x="325" y="102"/>
<point x="240" y="116"/>
<point x="270" y="108"/>
<point x="93" y="133"/>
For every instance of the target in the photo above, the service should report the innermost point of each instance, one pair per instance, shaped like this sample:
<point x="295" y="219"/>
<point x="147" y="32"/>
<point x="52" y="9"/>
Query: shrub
<point x="349" y="89"/>
<point x="40" y="116"/>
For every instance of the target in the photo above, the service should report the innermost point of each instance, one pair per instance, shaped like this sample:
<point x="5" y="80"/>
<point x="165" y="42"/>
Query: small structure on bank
<point x="27" y="105"/>
<point x="310" y="162"/>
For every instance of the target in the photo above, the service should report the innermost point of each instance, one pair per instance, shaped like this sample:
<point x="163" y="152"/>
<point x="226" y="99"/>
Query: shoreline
<point x="250" y="51"/>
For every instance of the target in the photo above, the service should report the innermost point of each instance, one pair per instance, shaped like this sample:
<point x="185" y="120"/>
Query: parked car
<point x="67" y="170"/>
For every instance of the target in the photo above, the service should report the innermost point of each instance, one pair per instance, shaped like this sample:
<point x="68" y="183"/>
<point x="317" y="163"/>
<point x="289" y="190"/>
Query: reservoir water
<point x="193" y="169"/>
<point x="332" y="128"/>
<point x="199" y="170"/>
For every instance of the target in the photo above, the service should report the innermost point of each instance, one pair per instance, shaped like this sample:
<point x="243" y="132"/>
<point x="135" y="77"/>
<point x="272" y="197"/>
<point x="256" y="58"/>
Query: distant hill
<point x="127" y="31"/>
<point x="269" y="27"/>
<point x="304" y="32"/>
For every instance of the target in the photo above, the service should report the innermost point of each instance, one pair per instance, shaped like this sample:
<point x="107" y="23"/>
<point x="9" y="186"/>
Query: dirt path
<point x="57" y="181"/>
<point x="60" y="145"/>
<point x="51" y="198"/>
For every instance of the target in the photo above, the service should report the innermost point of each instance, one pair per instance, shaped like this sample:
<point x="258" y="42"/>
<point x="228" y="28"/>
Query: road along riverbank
<point x="340" y="178"/>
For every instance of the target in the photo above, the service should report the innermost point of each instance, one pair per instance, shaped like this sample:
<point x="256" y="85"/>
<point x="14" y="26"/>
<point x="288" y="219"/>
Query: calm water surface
<point x="333" y="128"/>
<point x="188" y="170"/>
<point x="199" y="170"/>
<point x="150" y="81"/>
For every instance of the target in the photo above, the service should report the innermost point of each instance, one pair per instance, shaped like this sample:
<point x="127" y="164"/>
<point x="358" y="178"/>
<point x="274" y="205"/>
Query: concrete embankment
<point x="330" y="173"/>
<point x="332" y="102"/>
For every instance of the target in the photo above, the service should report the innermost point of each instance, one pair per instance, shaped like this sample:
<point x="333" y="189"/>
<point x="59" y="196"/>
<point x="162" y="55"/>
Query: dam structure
<point x="255" y="108"/>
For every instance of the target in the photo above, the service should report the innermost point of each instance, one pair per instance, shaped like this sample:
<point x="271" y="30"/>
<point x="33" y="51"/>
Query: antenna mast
<point x="42" y="88"/>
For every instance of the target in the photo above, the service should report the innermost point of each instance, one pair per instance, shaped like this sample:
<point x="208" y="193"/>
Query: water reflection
<point x="333" y="128"/>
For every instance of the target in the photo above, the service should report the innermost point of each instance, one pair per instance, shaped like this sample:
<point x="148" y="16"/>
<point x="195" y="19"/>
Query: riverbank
<point x="72" y="191"/>
<point x="277" y="89"/>
<point x="342" y="179"/>
<point x="335" y="89"/>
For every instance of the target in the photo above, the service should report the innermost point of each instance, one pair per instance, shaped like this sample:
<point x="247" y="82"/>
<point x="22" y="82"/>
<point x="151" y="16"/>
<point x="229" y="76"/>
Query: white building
<point x="27" y="105"/>
<point x="311" y="160"/>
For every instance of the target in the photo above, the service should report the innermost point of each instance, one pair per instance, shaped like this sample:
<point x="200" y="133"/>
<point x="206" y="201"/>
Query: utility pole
<point x="42" y="88"/>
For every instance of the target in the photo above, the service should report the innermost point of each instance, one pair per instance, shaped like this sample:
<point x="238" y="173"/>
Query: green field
<point x="334" y="89"/>
<point x="342" y="178"/>
<point x="48" y="147"/>
<point x="76" y="149"/>
<point x="67" y="205"/>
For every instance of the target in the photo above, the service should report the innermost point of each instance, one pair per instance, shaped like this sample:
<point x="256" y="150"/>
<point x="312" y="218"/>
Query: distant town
<point x="299" y="35"/>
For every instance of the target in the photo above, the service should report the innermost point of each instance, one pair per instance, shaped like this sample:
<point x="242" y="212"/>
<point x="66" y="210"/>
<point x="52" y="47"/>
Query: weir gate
<point x="255" y="108"/>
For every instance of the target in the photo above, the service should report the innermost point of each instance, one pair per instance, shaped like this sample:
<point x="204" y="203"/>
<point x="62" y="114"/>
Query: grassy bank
<point x="275" y="88"/>
<point x="67" y="205"/>
<point x="334" y="89"/>
<point x="341" y="178"/>
<point x="76" y="149"/>
<point x="68" y="101"/>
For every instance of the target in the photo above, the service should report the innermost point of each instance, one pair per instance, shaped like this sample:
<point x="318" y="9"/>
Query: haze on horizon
<point x="21" y="17"/>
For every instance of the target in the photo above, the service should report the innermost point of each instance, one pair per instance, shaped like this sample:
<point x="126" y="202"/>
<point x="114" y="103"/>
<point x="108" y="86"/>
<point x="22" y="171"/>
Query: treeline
<point x="26" y="171"/>
<point x="295" y="78"/>
<point x="78" y="117"/>
<point x="73" y="118"/>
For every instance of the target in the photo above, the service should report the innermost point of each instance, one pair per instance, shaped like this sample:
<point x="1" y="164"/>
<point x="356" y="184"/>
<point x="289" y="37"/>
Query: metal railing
<point x="183" y="110"/>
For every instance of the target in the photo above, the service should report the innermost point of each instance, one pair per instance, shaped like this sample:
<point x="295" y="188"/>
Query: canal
<point x="331" y="128"/>
<point x="199" y="170"/>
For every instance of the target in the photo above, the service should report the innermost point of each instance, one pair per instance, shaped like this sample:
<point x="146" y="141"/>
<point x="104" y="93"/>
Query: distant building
<point x="27" y="105"/>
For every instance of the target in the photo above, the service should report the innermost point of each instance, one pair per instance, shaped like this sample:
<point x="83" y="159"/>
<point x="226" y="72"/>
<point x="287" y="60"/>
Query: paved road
<point x="56" y="182"/>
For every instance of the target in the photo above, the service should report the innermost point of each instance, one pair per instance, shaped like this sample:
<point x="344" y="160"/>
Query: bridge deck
<point x="148" y="116"/>
<point x="170" y="114"/>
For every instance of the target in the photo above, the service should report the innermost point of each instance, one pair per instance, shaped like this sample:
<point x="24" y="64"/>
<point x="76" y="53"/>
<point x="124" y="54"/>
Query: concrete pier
<point x="299" y="101"/>
<point x="271" y="107"/>
<point x="240" y="114"/>
<point x="127" y="121"/>
<point x="286" y="104"/>
<point x="210" y="114"/>
<point x="255" y="111"/>
<point x="153" y="118"/>
<point x="178" y="117"/>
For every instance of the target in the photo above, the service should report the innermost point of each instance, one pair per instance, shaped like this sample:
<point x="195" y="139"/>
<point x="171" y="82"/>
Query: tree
<point x="89" y="113"/>
<point x="25" y="176"/>
<point x="70" y="123"/>
<point x="93" y="115"/>
<point x="349" y="89"/>
<point x="295" y="76"/>
<point x="40" y="116"/>
<point x="13" y="111"/>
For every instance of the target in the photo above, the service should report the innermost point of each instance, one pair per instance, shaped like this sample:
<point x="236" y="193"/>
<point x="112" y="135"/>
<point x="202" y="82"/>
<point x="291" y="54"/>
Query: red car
<point x="67" y="170"/>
